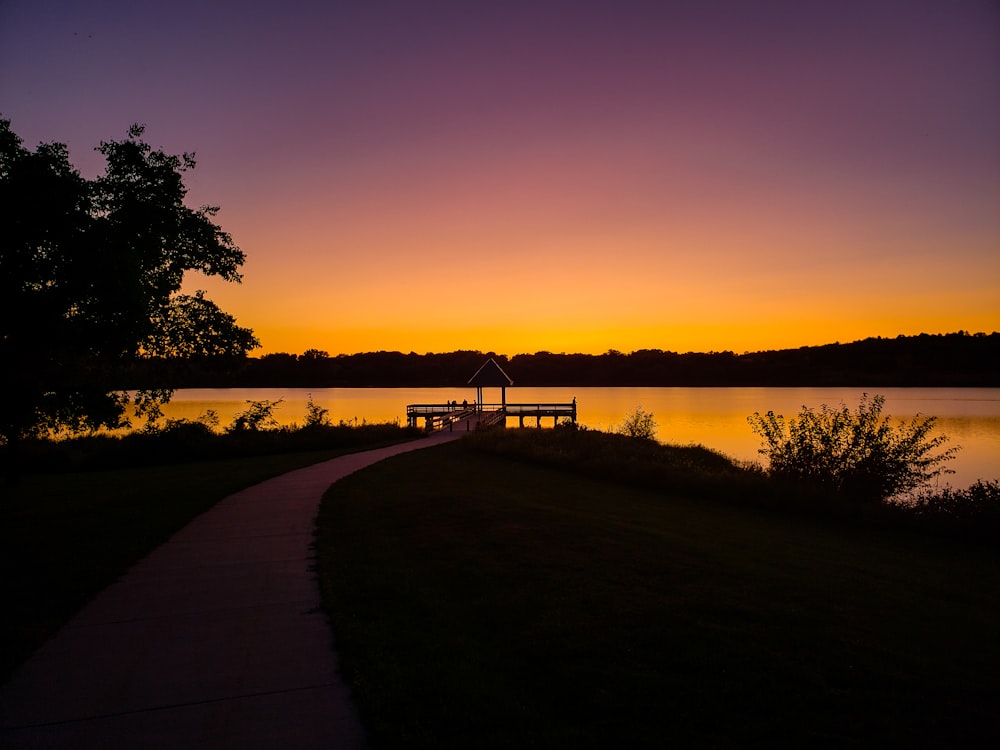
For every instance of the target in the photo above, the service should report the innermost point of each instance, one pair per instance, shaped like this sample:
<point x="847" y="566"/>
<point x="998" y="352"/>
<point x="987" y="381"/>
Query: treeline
<point x="954" y="359"/>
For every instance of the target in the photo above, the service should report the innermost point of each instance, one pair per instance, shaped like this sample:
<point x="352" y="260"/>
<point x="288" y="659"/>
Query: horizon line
<point x="612" y="351"/>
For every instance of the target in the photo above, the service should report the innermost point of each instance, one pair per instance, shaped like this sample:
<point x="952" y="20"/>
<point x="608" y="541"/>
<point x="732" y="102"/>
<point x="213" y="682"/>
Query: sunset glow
<point x="570" y="177"/>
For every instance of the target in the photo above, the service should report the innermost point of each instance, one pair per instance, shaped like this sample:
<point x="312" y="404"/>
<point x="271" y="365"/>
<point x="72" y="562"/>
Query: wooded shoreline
<point x="940" y="360"/>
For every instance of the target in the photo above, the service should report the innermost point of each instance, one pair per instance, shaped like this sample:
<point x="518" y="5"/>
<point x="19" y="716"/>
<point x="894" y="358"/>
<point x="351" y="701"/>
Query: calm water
<point x="714" y="417"/>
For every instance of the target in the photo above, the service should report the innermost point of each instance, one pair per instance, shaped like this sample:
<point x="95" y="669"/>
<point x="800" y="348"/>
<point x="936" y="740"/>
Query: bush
<point x="859" y="455"/>
<point x="316" y="415"/>
<point x="259" y="415"/>
<point x="974" y="511"/>
<point x="638" y="424"/>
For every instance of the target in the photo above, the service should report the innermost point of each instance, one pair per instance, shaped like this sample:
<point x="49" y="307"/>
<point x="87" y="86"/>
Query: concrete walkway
<point x="215" y="640"/>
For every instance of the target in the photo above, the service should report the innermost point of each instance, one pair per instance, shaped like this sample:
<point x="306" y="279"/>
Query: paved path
<point x="215" y="640"/>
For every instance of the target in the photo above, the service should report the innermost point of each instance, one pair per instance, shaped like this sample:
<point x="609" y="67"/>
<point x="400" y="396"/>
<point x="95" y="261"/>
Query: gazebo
<point x="490" y="375"/>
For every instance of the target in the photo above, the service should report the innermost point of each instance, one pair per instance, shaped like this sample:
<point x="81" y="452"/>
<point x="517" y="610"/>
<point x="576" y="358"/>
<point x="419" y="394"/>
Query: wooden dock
<point x="446" y="416"/>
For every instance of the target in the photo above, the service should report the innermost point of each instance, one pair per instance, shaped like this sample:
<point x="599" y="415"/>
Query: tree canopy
<point x="91" y="273"/>
<point x="940" y="360"/>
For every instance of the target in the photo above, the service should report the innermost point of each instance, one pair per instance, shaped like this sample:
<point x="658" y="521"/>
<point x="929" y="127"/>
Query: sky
<point x="554" y="176"/>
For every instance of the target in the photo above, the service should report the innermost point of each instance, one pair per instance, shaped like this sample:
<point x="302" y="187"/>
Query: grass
<point x="65" y="536"/>
<point x="482" y="600"/>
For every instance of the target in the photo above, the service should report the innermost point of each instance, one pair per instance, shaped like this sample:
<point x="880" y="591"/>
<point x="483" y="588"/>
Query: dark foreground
<point x="480" y="601"/>
<point x="87" y="510"/>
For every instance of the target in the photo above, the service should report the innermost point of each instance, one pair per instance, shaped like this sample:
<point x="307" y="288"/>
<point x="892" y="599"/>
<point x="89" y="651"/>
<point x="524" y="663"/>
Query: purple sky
<point x="676" y="175"/>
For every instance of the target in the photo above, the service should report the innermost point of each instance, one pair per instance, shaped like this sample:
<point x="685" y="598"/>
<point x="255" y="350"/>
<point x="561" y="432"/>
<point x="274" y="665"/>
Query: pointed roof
<point x="490" y="375"/>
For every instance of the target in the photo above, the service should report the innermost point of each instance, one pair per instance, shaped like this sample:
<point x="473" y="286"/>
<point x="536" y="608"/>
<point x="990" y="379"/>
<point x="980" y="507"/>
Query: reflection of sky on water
<point x="714" y="417"/>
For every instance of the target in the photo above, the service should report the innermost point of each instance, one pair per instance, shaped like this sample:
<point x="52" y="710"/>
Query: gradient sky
<point x="562" y="176"/>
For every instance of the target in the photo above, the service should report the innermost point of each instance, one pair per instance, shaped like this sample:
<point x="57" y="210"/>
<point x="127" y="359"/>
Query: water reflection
<point x="714" y="417"/>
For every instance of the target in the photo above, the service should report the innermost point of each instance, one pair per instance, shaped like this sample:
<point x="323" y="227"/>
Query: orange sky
<point x="571" y="177"/>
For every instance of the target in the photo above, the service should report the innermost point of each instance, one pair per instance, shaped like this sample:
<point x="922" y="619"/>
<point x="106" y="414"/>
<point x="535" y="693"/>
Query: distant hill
<point x="953" y="359"/>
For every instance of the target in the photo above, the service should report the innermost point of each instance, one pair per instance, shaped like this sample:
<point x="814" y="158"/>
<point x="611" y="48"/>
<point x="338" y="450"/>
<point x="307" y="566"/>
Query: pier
<point x="479" y="414"/>
<point x="446" y="416"/>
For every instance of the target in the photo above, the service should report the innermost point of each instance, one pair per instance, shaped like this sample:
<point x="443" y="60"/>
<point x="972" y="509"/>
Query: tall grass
<point x="194" y="441"/>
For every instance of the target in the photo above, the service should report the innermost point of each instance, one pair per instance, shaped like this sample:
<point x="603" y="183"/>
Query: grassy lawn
<point x="481" y="601"/>
<point x="67" y="536"/>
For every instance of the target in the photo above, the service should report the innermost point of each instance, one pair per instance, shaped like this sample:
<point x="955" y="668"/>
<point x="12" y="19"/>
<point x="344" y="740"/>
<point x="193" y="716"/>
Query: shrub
<point x="638" y="424"/>
<point x="860" y="455"/>
<point x="259" y="415"/>
<point x="316" y="415"/>
<point x="974" y="511"/>
<point x="207" y="423"/>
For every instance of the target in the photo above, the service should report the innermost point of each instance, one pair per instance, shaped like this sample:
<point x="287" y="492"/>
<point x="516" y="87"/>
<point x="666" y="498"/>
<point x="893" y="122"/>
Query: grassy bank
<point x="65" y="535"/>
<point x="480" y="599"/>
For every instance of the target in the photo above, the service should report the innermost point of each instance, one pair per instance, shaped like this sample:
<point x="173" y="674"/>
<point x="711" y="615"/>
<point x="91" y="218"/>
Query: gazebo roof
<point x="490" y="375"/>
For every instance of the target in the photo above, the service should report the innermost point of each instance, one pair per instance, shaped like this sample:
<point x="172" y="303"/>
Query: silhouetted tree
<point x="90" y="274"/>
<point x="940" y="360"/>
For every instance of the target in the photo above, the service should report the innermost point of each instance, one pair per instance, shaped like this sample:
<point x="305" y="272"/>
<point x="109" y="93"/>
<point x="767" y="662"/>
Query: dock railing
<point x="490" y="418"/>
<point x="546" y="410"/>
<point x="439" y="416"/>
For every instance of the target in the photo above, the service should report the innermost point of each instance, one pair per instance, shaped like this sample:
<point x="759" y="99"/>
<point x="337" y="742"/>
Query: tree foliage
<point x="940" y="360"/>
<point x="90" y="279"/>
<point x="859" y="454"/>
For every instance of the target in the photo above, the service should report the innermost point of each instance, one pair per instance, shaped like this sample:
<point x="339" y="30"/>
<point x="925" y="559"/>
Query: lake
<point x="713" y="417"/>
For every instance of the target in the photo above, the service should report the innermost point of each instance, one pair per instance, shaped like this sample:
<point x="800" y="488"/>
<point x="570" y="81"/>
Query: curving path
<point x="215" y="640"/>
